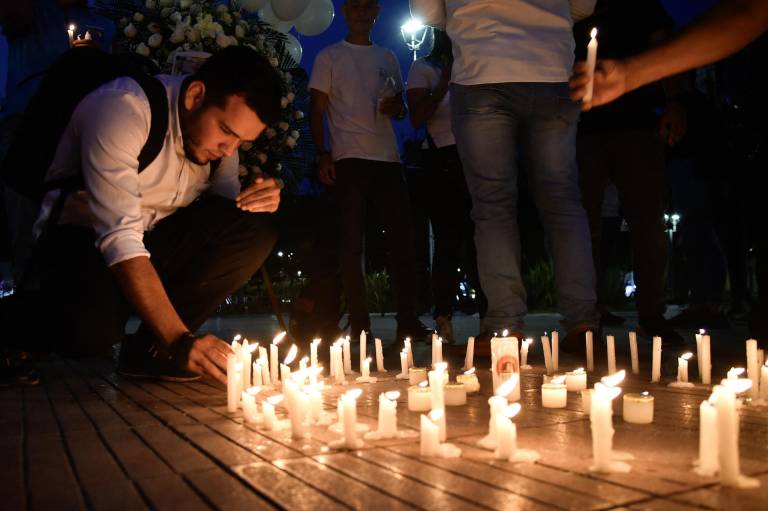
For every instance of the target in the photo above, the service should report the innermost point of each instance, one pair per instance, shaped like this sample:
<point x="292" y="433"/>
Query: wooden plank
<point x="225" y="492"/>
<point x="217" y="446"/>
<point x="182" y="456"/>
<point x="138" y="460"/>
<point x="171" y="493"/>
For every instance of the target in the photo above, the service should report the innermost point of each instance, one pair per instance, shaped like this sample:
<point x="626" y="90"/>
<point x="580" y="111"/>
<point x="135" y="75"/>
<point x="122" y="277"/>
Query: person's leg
<point x="353" y="179"/>
<point x="548" y="139"/>
<point x="485" y="122"/>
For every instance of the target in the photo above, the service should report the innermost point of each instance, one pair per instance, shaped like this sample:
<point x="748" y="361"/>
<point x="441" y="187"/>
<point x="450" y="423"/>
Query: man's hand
<point x="326" y="170"/>
<point x="391" y="106"/>
<point x="263" y="196"/>
<point x="208" y="355"/>
<point x="673" y="124"/>
<point x="610" y="82"/>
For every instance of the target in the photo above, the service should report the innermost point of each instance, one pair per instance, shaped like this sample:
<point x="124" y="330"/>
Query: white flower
<point x="178" y="35"/>
<point x="184" y="4"/>
<point x="298" y="115"/>
<point x="262" y="158"/>
<point x="155" y="40"/>
<point x="274" y="61"/>
<point x="290" y="142"/>
<point x="142" y="49"/>
<point x="175" y="17"/>
<point x="138" y="17"/>
<point x="283" y="126"/>
<point x="246" y="146"/>
<point x="239" y="32"/>
<point x="207" y="27"/>
<point x="242" y="170"/>
<point x="279" y="167"/>
<point x="291" y="96"/>
<point x="283" y="102"/>
<point x="270" y="133"/>
<point x="193" y="35"/>
<point x="150" y="4"/>
<point x="130" y="31"/>
<point x="295" y="134"/>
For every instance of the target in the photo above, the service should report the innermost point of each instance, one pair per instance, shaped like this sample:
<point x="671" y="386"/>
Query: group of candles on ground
<point x="431" y="391"/>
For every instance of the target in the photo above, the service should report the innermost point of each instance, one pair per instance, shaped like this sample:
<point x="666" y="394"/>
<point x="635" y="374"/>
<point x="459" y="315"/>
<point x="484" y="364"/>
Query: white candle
<point x="469" y="358"/>
<point x="87" y="35"/>
<point x="764" y="381"/>
<point x="656" y="363"/>
<point x="506" y="432"/>
<point x="250" y="411"/>
<point x="554" y="394"/>
<point x="707" y="464"/>
<point x="591" y="63"/>
<point x="347" y="355"/>
<point x="245" y="354"/>
<point x="350" y="419"/>
<point x="524" y="353"/>
<point x="734" y="373"/>
<point x="407" y="343"/>
<point x="611" y="349"/>
<point x="455" y="394"/>
<point x="273" y="361"/>
<point x="299" y="408"/>
<point x="682" y="367"/>
<point x="234" y="382"/>
<point x="264" y="364"/>
<point x="699" y="335"/>
<point x="417" y="375"/>
<point x="337" y="368"/>
<point x="706" y="360"/>
<point x="555" y="351"/>
<point x="497" y="404"/>
<point x="379" y="356"/>
<point x="268" y="410"/>
<point x="363" y="348"/>
<point x="71" y="34"/>
<point x="437" y="383"/>
<point x="638" y="408"/>
<point x="602" y="427"/>
<point x="403" y="366"/>
<point x="547" y="353"/>
<point x="728" y="434"/>
<point x="387" y="416"/>
<point x="753" y="370"/>
<point x="313" y="352"/>
<point x="258" y="381"/>
<point x="365" y="372"/>
<point x="470" y="381"/>
<point x="590" y="351"/>
<point x="633" y="353"/>
<point x="586" y="400"/>
<point x="419" y="398"/>
<point x="760" y="357"/>
<point x="576" y="380"/>
<point x="429" y="445"/>
<point x="437" y="350"/>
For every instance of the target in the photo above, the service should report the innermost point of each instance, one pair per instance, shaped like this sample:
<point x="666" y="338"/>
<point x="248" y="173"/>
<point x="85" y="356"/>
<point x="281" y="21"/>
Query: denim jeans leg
<point x="486" y="125"/>
<point x="548" y="143"/>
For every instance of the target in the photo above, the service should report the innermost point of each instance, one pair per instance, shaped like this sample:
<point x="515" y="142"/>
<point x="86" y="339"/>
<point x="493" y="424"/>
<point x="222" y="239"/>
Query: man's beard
<point x="188" y="122"/>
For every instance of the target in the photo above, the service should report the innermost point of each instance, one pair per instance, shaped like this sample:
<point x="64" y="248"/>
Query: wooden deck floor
<point x="87" y="439"/>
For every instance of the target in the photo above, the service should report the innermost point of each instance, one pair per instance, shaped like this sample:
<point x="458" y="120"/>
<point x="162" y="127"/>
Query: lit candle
<point x="363" y="348"/>
<point x="417" y="375"/>
<point x="576" y="380"/>
<point x="349" y="404"/>
<point x="264" y="363"/>
<point x="707" y="465"/>
<point x="734" y="373"/>
<point x="455" y="394"/>
<point x="250" y="411"/>
<point x="273" y="354"/>
<point x="753" y="370"/>
<point x="469" y="358"/>
<point x="429" y="445"/>
<point x="764" y="382"/>
<point x="497" y="403"/>
<point x="555" y="351"/>
<point x="600" y="416"/>
<point x="590" y="351"/>
<point x="408" y="349"/>
<point x="234" y="382"/>
<point x="470" y="381"/>
<point x="313" y="352"/>
<point x="656" y="362"/>
<point x="524" y="353"/>
<point x="285" y="369"/>
<point x="586" y="401"/>
<point x="403" y="366"/>
<point x="682" y="371"/>
<point x="547" y="353"/>
<point x="419" y="397"/>
<point x="365" y="372"/>
<point x="245" y="354"/>
<point x="387" y="417"/>
<point x="698" y="349"/>
<point x="591" y="63"/>
<point x="638" y="408"/>
<point x="507" y="433"/>
<point x="611" y="349"/>
<point x="257" y="379"/>
<point x="633" y="353"/>
<point x="303" y="367"/>
<point x="728" y="434"/>
<point x="760" y="358"/>
<point x="268" y="412"/>
<point x="554" y="394"/>
<point x="706" y="360"/>
<point x="71" y="34"/>
<point x="437" y="350"/>
<point x="87" y="35"/>
<point x="379" y="356"/>
<point x="347" y="356"/>
<point x="437" y="384"/>
<point x="337" y="368"/>
<point x="298" y="410"/>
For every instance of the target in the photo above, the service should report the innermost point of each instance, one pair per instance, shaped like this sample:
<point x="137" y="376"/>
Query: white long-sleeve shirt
<point x="500" y="41"/>
<point x="104" y="137"/>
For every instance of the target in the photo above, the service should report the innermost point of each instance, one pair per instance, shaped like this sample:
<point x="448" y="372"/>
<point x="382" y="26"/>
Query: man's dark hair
<point x="241" y="71"/>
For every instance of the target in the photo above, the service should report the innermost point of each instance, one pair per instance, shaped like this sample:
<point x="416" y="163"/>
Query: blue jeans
<point x="500" y="128"/>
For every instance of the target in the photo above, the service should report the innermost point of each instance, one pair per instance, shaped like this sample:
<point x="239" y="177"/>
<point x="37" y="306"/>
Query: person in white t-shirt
<point x="448" y="202"/>
<point x="357" y="86"/>
<point x="511" y="111"/>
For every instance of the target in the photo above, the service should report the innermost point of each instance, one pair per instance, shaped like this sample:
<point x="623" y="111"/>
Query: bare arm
<point x="423" y="103"/>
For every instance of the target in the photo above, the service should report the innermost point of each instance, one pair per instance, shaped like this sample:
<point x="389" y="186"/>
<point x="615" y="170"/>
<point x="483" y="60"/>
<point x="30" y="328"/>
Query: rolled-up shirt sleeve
<point x="581" y="9"/>
<point x="114" y="126"/>
<point x="430" y="12"/>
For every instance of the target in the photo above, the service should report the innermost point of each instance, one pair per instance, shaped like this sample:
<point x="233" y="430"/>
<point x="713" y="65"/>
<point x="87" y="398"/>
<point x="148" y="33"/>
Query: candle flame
<point x="593" y="33"/>
<point x="279" y="337"/>
<point x="504" y="333"/>
<point x="72" y="26"/>
<point x="392" y="395"/>
<point x="441" y="366"/>
<point x="508" y="386"/>
<point x="253" y="390"/>
<point x="354" y="393"/>
<point x="578" y="370"/>
<point x="512" y="410"/>
<point x="686" y="356"/>
<point x="558" y="380"/>
<point x="737" y="385"/>
<point x="766" y="363"/>
<point x="275" y="400"/>
<point x="702" y="331"/>
<point x="304" y="360"/>
<point x="527" y="342"/>
<point x="645" y="393"/>
<point x="614" y="379"/>
<point x="291" y="355"/>
<point x="736" y="371"/>
<point x="252" y="347"/>
<point x="367" y="360"/>
<point x="607" y="391"/>
<point x="316" y="342"/>
<point x="435" y="415"/>
<point x="470" y="371"/>
<point x="407" y="340"/>
<point x="237" y="338"/>
<point x="424" y="384"/>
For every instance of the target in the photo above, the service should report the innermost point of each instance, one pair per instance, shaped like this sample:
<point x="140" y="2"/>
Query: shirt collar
<point x="174" y="86"/>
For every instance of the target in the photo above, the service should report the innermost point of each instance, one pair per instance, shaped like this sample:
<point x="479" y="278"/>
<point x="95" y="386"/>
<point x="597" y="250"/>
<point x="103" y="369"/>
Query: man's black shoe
<point x="416" y="330"/>
<point x="608" y="318"/>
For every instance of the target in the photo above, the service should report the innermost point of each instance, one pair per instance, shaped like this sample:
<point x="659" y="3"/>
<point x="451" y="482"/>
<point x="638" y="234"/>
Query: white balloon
<point x="316" y="18"/>
<point x="287" y="10"/>
<point x="252" y="5"/>
<point x="267" y="15"/>
<point x="293" y="47"/>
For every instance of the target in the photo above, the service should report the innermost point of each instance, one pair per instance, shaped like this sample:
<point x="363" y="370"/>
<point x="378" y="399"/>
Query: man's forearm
<point x="141" y="286"/>
<point x="725" y="29"/>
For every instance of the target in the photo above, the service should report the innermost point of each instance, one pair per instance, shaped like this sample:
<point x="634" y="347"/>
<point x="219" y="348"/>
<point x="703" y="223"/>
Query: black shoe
<point x="662" y="328"/>
<point x="137" y="361"/>
<point x="416" y="330"/>
<point x="608" y="318"/>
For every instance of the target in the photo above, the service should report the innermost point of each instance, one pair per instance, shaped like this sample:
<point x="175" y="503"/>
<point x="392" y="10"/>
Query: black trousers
<point x="202" y="253"/>
<point x="634" y="161"/>
<point x="381" y="185"/>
